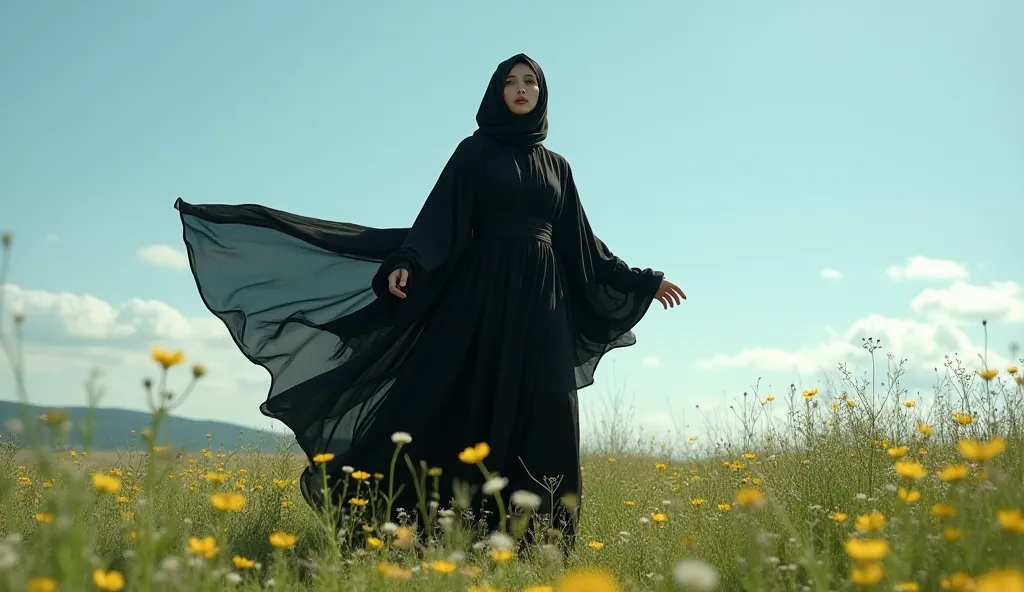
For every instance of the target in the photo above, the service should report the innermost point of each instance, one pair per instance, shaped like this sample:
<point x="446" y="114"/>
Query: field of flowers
<point x="850" y="487"/>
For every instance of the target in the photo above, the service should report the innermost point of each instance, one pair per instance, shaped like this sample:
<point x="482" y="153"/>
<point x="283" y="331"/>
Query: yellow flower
<point x="910" y="469"/>
<point x="982" y="451"/>
<point x="473" y="455"/>
<point x="44" y="518"/>
<point x="501" y="555"/>
<point x="898" y="452"/>
<point x="659" y="517"/>
<point x="1011" y="370"/>
<point x="242" y="563"/>
<point x="227" y="501"/>
<point x="106" y="483"/>
<point x="42" y="585"/>
<point x="1011" y="520"/>
<point x="907" y="587"/>
<point x="839" y="517"/>
<point x="963" y="418"/>
<point x="167" y="358"/>
<point x="374" y="543"/>
<point x="953" y="473"/>
<point x="870" y="522"/>
<point x="323" y="457"/>
<point x="909" y="496"/>
<point x="988" y="374"/>
<point x="109" y="581"/>
<point x="867" y="550"/>
<point x="924" y="429"/>
<point x="443" y="566"/>
<point x="724" y="507"/>
<point x="959" y="581"/>
<point x="697" y="502"/>
<point x="1001" y="580"/>
<point x="204" y="547"/>
<point x="749" y="497"/>
<point x="943" y="511"/>
<point x="629" y="503"/>
<point x="953" y="534"/>
<point x="358" y="502"/>
<point x="596" y="545"/>
<point x="769" y="399"/>
<point x="391" y="571"/>
<point x="611" y="459"/>
<point x="910" y="404"/>
<point x="867" y="574"/>
<point x="282" y="540"/>
<point x="198" y="371"/>
<point x="539" y="589"/>
<point x="588" y="579"/>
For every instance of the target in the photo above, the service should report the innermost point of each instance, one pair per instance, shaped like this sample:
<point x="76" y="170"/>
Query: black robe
<point x="512" y="302"/>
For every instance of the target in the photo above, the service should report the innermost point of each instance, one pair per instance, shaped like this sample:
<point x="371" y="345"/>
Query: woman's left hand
<point x="669" y="294"/>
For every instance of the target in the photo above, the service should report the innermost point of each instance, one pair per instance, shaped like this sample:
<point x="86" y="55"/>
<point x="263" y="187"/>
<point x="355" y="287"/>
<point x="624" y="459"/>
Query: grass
<point x="850" y="487"/>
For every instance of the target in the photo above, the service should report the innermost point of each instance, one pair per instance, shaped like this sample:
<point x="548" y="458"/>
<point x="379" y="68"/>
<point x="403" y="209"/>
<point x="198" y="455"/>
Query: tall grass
<point x="839" y="487"/>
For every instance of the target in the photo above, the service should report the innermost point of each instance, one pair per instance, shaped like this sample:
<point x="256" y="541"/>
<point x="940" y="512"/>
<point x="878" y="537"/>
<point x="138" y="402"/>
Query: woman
<point x="478" y="324"/>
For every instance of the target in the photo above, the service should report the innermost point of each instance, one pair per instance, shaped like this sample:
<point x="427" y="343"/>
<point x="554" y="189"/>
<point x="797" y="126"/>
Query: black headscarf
<point x="494" y="118"/>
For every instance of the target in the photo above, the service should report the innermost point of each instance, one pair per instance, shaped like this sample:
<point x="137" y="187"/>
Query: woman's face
<point x="521" y="89"/>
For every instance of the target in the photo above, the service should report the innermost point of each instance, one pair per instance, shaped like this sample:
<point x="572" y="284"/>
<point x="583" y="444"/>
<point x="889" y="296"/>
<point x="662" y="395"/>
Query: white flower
<point x="861" y="497"/>
<point x="494" y="485"/>
<point x="500" y="541"/>
<point x="389" y="527"/>
<point x="233" y="578"/>
<point x="401" y="438"/>
<point x="695" y="575"/>
<point x="457" y="556"/>
<point x="347" y="470"/>
<point x="526" y="500"/>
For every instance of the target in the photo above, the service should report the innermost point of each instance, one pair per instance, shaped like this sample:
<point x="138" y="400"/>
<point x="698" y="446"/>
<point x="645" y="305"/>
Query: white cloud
<point x="923" y="268"/>
<point x="650" y="361"/>
<point x="163" y="256"/>
<point x="831" y="274"/>
<point x="999" y="302"/>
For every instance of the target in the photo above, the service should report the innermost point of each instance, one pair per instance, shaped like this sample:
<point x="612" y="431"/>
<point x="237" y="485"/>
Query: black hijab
<point x="494" y="118"/>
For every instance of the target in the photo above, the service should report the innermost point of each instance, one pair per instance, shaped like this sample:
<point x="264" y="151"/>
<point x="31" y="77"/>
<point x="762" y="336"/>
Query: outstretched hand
<point x="396" y="281"/>
<point x="669" y="294"/>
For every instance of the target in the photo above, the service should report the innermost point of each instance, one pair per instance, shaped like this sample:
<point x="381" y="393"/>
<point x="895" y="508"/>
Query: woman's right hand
<point x="396" y="281"/>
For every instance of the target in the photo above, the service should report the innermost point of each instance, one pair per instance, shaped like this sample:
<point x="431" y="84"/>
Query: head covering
<point x="494" y="118"/>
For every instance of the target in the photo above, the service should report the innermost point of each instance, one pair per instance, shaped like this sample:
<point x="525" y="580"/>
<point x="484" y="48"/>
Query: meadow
<point x="848" y="485"/>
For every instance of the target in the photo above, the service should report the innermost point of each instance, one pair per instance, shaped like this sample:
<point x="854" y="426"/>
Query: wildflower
<point x="204" y="547"/>
<point x="963" y="418"/>
<point x="724" y="507"/>
<point x="42" y="585"/>
<point x="910" y="469"/>
<point x="44" y="518"/>
<point x="909" y="404"/>
<point x="907" y="587"/>
<point x="242" y="562"/>
<point x="898" y="452"/>
<point x="1002" y="580"/>
<point x="749" y="497"/>
<point x="867" y="550"/>
<point x="323" y="457"/>
<point x="596" y="545"/>
<point x="360" y="475"/>
<point x="809" y="394"/>
<point x="166" y="358"/>
<point x="988" y="374"/>
<point x="659" y="517"/>
<point x="769" y="399"/>
<point x="982" y="451"/>
<point x="924" y="429"/>
<point x="502" y="555"/>
<point x="526" y="500"/>
<point x="839" y="517"/>
<point x="697" y="502"/>
<point x="391" y="571"/>
<point x="959" y="581"/>
<point x="403" y="537"/>
<point x="282" y="540"/>
<point x="611" y="459"/>
<point x="374" y="543"/>
<point x="943" y="511"/>
<point x="867" y="574"/>
<point x="494" y="485"/>
<point x="909" y="496"/>
<point x="660" y="466"/>
<point x="358" y="502"/>
<point x="688" y="540"/>
<point x="227" y="501"/>
<point x="694" y="574"/>
<point x="1012" y="370"/>
<point x="109" y="581"/>
<point x="474" y="455"/>
<point x="443" y="566"/>
<point x="587" y="579"/>
<point x="1011" y="520"/>
<point x="953" y="534"/>
<point x="870" y="522"/>
<point x="953" y="473"/>
<point x="401" y="438"/>
<point x="106" y="483"/>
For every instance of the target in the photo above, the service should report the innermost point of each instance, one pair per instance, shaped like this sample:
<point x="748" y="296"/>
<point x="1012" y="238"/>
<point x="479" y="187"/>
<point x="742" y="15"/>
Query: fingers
<point x="403" y="275"/>
<point x="396" y="279"/>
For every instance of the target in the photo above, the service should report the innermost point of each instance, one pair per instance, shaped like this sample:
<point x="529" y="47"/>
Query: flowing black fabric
<point x="512" y="302"/>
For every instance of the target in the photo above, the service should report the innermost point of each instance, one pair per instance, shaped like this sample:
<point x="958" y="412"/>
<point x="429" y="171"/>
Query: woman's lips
<point x="521" y="101"/>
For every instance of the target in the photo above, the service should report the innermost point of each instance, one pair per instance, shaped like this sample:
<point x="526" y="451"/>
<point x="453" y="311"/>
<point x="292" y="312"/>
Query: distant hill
<point x="113" y="429"/>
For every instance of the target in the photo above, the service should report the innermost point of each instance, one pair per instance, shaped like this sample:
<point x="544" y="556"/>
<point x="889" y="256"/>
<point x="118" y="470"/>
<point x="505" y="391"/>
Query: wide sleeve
<point x="608" y="297"/>
<point x="440" y="231"/>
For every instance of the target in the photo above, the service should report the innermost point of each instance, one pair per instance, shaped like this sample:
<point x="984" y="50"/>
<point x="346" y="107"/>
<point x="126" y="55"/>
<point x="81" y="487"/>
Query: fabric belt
<point x="517" y="228"/>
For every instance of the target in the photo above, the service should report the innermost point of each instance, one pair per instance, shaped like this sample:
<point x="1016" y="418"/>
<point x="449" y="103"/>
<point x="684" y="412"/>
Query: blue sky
<point x="742" y="147"/>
